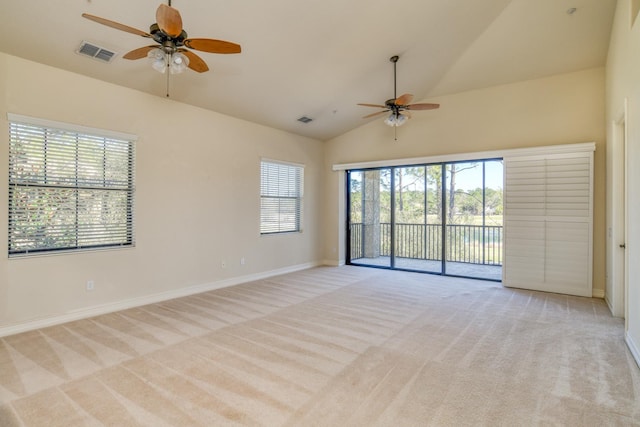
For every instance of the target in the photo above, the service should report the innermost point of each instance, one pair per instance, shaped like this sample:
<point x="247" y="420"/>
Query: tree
<point x="434" y="178"/>
<point x="453" y="169"/>
<point x="407" y="178"/>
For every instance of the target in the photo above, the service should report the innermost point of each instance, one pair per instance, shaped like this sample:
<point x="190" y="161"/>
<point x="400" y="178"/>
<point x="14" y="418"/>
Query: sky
<point x="468" y="178"/>
<point x="471" y="179"/>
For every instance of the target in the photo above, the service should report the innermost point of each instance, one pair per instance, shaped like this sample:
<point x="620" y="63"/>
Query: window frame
<point x="118" y="191"/>
<point x="279" y="226"/>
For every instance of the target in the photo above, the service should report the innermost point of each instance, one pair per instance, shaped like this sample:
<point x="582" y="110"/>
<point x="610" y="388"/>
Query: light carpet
<point x="346" y="346"/>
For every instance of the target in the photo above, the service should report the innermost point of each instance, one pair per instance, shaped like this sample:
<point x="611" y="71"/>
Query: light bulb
<point x="179" y="63"/>
<point x="158" y="60"/>
<point x="390" y="120"/>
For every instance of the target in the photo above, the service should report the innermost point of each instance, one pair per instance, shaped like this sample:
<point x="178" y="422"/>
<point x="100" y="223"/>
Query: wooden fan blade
<point x="169" y="20"/>
<point x="373" y="105"/>
<point x="212" y="46"/>
<point x="375" y="114"/>
<point x="195" y="62"/>
<point x="403" y="99"/>
<point x="422" y="106"/>
<point x="115" y="25"/>
<point x="139" y="53"/>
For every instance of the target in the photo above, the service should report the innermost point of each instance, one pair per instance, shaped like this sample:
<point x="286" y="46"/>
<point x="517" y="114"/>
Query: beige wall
<point x="197" y="197"/>
<point x="562" y="109"/>
<point x="623" y="86"/>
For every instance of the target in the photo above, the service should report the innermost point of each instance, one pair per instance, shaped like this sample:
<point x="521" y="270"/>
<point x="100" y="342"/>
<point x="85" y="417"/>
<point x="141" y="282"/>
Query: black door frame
<point x="443" y="225"/>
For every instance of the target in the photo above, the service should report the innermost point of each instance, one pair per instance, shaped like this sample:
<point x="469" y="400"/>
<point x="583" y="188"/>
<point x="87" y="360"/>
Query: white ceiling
<point x="319" y="58"/>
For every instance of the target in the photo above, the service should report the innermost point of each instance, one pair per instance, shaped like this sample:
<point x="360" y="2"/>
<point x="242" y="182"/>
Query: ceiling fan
<point x="170" y="53"/>
<point x="399" y="107"/>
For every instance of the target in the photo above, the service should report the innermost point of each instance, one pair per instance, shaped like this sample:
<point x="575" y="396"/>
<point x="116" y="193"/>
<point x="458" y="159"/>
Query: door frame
<point x="392" y="214"/>
<point x="619" y="223"/>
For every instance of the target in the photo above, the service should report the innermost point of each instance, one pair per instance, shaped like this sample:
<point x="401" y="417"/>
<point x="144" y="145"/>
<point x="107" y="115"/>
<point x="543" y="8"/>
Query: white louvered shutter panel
<point x="548" y="223"/>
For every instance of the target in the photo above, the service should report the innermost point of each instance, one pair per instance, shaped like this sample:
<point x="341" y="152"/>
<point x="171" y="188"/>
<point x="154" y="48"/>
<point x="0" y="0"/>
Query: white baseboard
<point x="333" y="262"/>
<point x="606" y="300"/>
<point x="598" y="293"/>
<point x="97" y="310"/>
<point x="633" y="348"/>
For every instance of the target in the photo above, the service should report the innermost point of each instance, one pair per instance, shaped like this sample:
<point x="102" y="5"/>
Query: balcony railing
<point x="475" y="244"/>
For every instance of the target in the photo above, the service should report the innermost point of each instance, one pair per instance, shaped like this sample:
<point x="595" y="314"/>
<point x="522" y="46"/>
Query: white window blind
<point x="548" y="223"/>
<point x="68" y="190"/>
<point x="281" y="188"/>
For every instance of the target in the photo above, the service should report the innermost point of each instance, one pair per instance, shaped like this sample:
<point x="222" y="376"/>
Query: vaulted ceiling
<point x="319" y="58"/>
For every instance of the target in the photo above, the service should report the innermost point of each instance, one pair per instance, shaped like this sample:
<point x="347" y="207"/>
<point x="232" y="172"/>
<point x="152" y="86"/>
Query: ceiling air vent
<point x="95" y="52"/>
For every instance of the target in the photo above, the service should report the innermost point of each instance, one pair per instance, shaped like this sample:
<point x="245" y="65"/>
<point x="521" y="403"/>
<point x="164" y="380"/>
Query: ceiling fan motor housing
<point x="166" y="40"/>
<point x="391" y="103"/>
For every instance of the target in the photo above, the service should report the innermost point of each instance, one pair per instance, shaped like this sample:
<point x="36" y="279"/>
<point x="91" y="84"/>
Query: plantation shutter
<point x="548" y="222"/>
<point x="68" y="189"/>
<point x="281" y="188"/>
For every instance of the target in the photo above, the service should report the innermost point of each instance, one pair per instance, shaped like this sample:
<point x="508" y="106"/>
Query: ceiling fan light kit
<point x="161" y="61"/>
<point x="396" y="119"/>
<point x="398" y="106"/>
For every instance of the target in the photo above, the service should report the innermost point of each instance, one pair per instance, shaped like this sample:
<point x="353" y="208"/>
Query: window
<point x="281" y="187"/>
<point x="68" y="189"/>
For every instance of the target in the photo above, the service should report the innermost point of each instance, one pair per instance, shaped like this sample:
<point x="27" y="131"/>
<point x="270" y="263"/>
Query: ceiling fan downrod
<point x="394" y="108"/>
<point x="394" y="59"/>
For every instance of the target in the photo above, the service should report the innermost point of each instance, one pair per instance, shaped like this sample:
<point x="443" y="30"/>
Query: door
<point x="417" y="218"/>
<point x="473" y="206"/>
<point x="369" y="234"/>
<point x="617" y="262"/>
<point x="443" y="218"/>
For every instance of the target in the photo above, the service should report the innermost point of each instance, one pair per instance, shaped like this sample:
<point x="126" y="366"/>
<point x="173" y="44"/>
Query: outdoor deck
<point x="478" y="271"/>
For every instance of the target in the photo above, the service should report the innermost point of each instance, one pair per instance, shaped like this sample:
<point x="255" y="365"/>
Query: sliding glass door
<point x="473" y="205"/>
<point x="441" y="218"/>
<point x="370" y="217"/>
<point x="417" y="218"/>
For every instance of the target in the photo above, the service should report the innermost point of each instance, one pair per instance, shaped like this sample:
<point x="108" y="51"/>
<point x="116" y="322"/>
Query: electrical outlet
<point x="90" y="285"/>
<point x="242" y="261"/>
